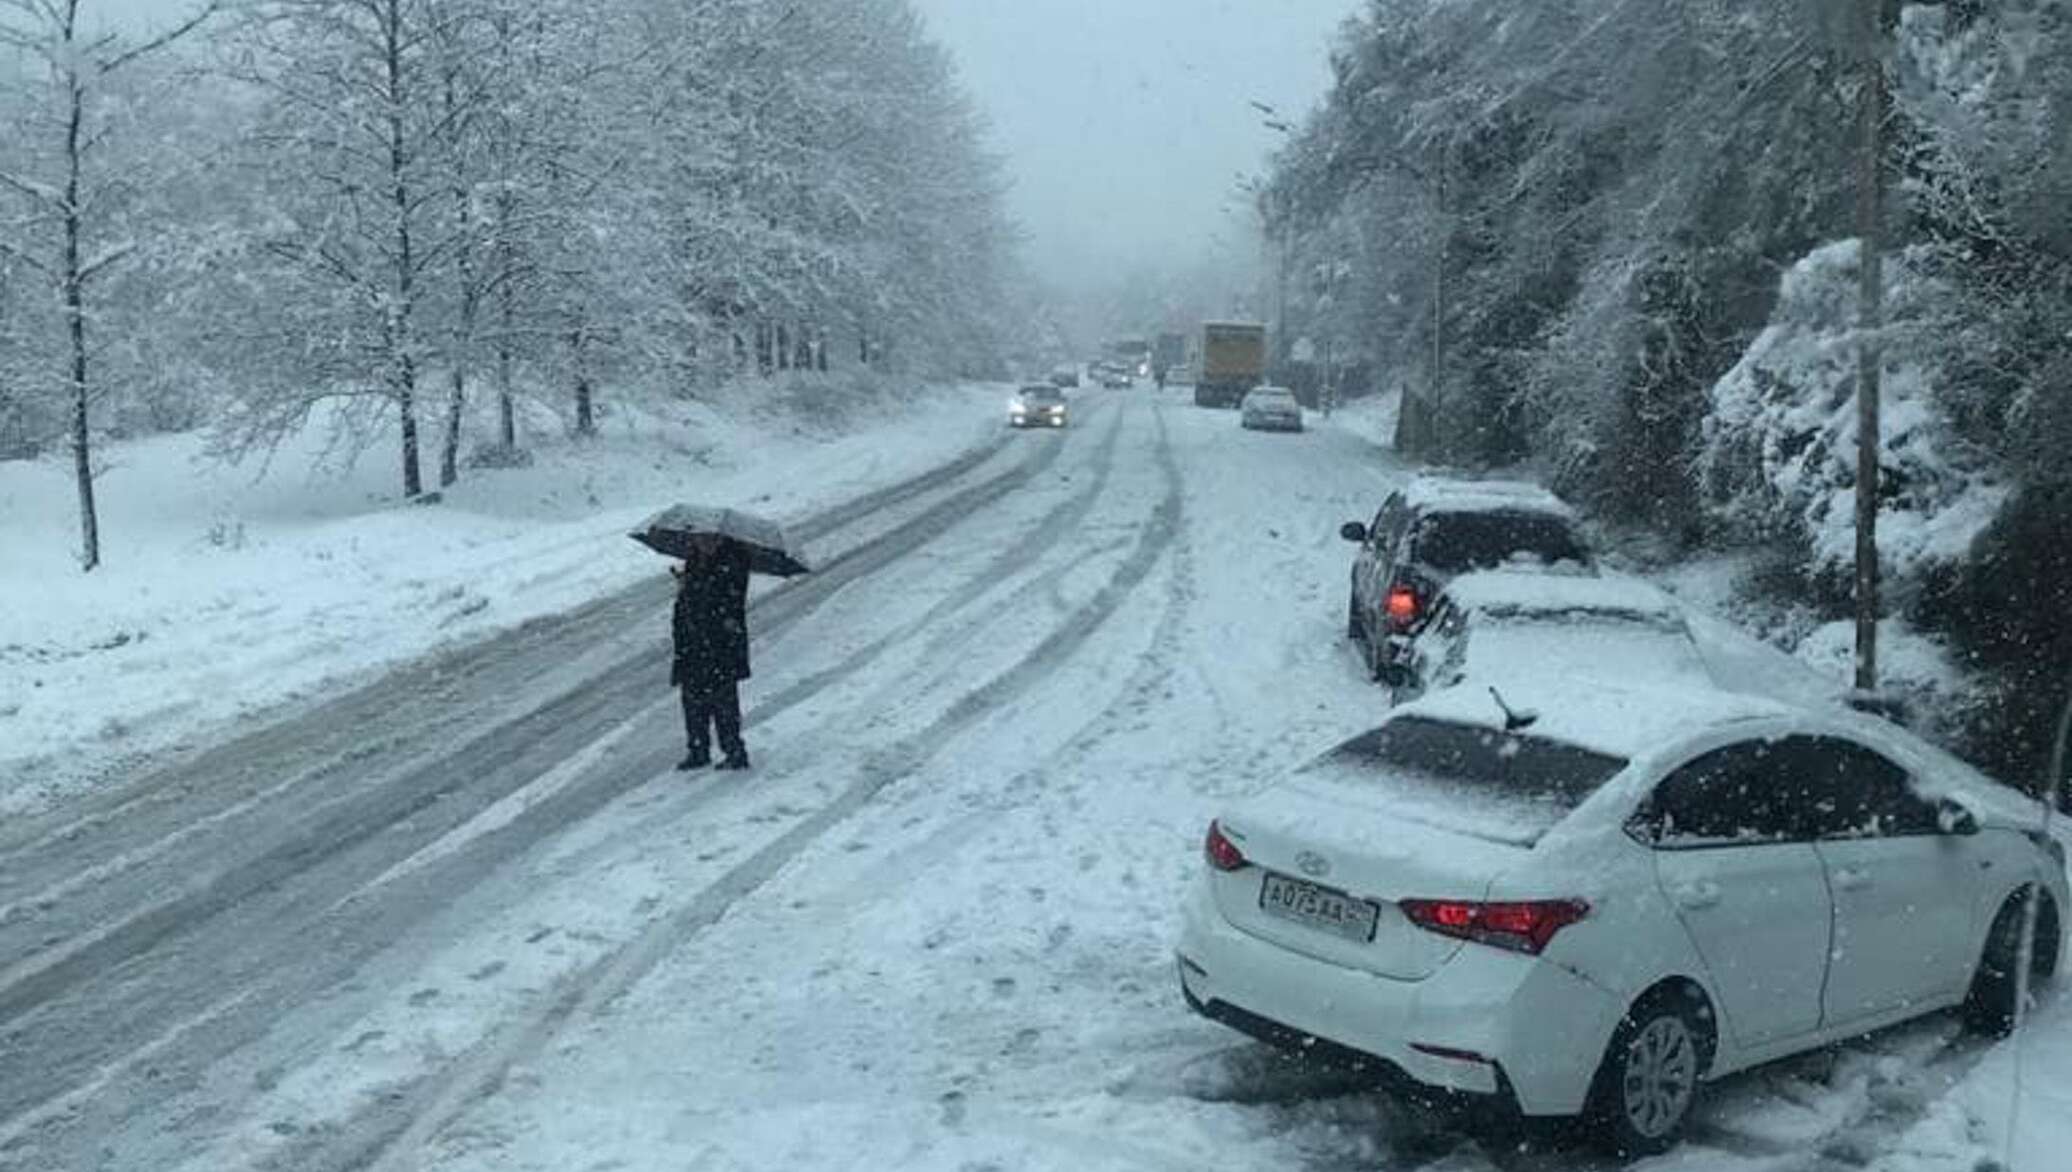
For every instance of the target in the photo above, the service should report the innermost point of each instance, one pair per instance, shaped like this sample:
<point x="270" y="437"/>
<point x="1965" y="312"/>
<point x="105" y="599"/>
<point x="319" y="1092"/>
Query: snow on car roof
<point x="1451" y="494"/>
<point x="1524" y="592"/>
<point x="1597" y="715"/>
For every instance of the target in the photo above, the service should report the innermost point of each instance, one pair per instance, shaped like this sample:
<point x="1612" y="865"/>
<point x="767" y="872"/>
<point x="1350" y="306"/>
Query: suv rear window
<point x="1455" y="543"/>
<point x="1477" y="780"/>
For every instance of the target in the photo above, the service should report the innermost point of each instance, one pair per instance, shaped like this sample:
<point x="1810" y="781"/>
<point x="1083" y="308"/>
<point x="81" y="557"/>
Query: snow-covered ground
<point x="932" y="929"/>
<point x="229" y="590"/>
<point x="2013" y="1111"/>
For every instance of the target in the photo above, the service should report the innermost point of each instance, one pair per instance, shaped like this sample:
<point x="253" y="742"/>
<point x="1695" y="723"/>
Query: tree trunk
<point x="403" y="364"/>
<point x="470" y="305"/>
<point x="75" y="321"/>
<point x="506" y="413"/>
<point x="449" y="444"/>
<point x="1870" y="212"/>
<point x="586" y="412"/>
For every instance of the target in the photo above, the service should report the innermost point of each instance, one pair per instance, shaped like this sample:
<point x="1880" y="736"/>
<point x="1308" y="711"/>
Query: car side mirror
<point x="1952" y="817"/>
<point x="1353" y="531"/>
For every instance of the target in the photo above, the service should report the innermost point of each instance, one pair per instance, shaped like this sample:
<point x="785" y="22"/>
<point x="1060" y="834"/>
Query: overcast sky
<point x="1125" y="123"/>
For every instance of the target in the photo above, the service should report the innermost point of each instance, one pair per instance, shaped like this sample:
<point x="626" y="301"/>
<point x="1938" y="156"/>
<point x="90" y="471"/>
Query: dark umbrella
<point x="770" y="550"/>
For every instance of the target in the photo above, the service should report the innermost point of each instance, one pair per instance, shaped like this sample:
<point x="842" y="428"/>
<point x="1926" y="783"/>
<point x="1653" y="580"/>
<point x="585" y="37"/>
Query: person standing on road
<point x="709" y="631"/>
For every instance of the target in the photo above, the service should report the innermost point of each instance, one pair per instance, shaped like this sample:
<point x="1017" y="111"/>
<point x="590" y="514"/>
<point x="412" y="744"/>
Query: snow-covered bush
<point x="1778" y="453"/>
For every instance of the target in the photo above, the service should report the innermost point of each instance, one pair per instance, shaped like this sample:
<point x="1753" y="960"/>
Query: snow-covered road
<point x="472" y="920"/>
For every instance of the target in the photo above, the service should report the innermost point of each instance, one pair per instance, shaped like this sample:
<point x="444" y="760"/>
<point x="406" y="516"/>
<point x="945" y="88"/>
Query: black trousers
<point x="710" y="708"/>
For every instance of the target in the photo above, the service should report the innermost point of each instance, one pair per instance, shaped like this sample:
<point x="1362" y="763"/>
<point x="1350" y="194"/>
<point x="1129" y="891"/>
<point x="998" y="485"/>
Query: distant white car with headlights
<point x="1270" y="409"/>
<point x="1038" y="405"/>
<point x="1595" y="910"/>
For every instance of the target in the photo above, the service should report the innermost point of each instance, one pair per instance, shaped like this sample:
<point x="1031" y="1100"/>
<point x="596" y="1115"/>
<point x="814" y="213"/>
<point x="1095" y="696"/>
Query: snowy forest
<point x="416" y="213"/>
<point x="1634" y="227"/>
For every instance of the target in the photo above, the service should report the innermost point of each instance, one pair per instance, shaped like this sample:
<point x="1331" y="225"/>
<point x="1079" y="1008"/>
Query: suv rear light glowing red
<point x="1525" y="926"/>
<point x="1402" y="607"/>
<point x="1221" y="852"/>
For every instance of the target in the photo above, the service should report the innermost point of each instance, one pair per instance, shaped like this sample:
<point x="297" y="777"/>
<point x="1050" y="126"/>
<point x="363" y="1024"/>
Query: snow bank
<point x="1779" y="452"/>
<point x="1372" y="418"/>
<point x="228" y="590"/>
<point x="2012" y="1111"/>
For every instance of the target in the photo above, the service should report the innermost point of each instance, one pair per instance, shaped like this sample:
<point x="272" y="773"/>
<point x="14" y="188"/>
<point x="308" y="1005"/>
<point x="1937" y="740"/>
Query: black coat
<point x="710" y="624"/>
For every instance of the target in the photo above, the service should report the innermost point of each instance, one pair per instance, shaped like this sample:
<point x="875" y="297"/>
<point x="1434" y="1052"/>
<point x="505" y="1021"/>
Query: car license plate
<point x="1319" y="907"/>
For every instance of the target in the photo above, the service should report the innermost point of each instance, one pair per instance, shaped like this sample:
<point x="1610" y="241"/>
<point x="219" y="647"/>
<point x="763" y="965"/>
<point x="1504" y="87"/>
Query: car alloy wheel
<point x="1658" y="1077"/>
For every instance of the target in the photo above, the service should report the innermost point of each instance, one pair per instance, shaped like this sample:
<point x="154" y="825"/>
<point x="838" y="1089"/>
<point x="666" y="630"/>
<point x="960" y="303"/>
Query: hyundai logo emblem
<point x="1313" y="864"/>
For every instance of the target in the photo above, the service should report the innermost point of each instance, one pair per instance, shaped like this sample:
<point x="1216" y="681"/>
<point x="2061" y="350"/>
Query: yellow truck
<point x="1233" y="361"/>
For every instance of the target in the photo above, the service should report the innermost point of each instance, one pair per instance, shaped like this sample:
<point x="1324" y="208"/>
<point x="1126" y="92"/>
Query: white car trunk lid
<point x="1417" y="809"/>
<point x="1326" y="857"/>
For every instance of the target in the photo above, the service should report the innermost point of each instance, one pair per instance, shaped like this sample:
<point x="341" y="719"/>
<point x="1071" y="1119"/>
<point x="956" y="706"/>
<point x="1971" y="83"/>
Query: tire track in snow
<point x="494" y="766"/>
<point x="393" y="1130"/>
<point x="1056" y="523"/>
<point x="32" y="979"/>
<point x="1054" y="527"/>
<point x="55" y="839"/>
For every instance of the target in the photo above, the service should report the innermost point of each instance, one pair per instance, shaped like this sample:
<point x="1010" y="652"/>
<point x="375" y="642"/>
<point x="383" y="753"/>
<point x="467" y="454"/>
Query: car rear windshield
<point x="1456" y="543"/>
<point x="1476" y="779"/>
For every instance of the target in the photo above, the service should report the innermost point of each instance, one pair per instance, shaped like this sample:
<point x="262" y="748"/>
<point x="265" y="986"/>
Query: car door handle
<point x="1702" y="894"/>
<point x="1852" y="878"/>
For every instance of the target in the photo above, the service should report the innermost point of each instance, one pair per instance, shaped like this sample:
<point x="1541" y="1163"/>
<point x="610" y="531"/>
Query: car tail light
<point x="1525" y="926"/>
<point x="1402" y="607"/>
<point x="1222" y="853"/>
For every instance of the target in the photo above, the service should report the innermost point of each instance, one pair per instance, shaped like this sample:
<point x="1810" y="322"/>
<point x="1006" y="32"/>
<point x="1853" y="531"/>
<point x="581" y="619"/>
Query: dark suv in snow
<point x="1436" y="529"/>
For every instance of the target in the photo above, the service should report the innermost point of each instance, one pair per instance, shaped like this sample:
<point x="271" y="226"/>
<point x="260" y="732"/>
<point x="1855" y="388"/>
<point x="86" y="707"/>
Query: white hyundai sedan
<point x="1594" y="909"/>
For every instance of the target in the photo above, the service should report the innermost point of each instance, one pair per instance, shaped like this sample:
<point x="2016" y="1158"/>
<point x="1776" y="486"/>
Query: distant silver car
<point x="1270" y="409"/>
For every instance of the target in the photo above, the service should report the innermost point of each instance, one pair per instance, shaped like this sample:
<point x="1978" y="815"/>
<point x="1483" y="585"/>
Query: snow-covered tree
<point x="354" y="159"/>
<point x="64" y="195"/>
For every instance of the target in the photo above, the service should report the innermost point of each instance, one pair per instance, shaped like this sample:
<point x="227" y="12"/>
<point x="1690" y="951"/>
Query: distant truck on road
<point x="1233" y="361"/>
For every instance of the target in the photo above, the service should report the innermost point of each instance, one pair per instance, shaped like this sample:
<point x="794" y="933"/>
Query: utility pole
<point x="1283" y="247"/>
<point x="1433" y="403"/>
<point x="1873" y="103"/>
